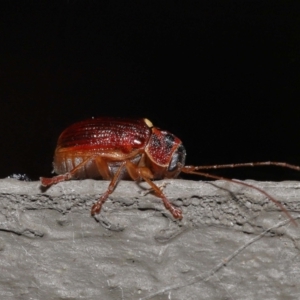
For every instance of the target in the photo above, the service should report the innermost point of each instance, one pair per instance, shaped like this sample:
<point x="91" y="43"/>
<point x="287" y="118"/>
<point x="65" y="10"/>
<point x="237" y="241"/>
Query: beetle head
<point x="166" y="152"/>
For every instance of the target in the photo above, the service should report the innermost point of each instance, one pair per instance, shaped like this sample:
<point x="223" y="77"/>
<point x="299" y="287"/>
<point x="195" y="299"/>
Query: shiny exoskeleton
<point x="115" y="149"/>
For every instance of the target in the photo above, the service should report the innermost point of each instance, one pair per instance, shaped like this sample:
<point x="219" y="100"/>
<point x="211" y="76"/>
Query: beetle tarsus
<point x="46" y="182"/>
<point x="176" y="212"/>
<point x="96" y="208"/>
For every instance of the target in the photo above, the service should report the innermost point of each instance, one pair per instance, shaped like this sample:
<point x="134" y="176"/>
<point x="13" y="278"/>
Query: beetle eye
<point x="177" y="157"/>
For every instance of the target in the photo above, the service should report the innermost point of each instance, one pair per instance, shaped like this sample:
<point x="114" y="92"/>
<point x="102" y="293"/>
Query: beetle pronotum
<point x="115" y="149"/>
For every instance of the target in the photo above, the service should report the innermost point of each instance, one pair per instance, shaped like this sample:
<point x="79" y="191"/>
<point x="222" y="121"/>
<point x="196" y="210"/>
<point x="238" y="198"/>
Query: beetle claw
<point x="96" y="209"/>
<point x="177" y="213"/>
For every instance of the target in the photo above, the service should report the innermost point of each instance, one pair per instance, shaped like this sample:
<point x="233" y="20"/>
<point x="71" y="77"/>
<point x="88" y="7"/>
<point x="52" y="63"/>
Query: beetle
<point x="117" y="148"/>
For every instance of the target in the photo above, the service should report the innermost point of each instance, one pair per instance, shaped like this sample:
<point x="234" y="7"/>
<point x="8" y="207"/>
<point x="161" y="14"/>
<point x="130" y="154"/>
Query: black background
<point x="221" y="75"/>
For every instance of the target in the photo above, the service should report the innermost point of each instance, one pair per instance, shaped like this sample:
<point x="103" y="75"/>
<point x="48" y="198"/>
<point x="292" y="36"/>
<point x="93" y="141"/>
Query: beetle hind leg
<point x="54" y="180"/>
<point x="73" y="174"/>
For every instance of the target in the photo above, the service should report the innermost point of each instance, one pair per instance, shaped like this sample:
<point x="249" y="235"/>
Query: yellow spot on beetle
<point x="148" y="123"/>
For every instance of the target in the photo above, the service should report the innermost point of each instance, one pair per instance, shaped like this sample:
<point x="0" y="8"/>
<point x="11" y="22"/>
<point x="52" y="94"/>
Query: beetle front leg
<point x="137" y="173"/>
<point x="176" y="212"/>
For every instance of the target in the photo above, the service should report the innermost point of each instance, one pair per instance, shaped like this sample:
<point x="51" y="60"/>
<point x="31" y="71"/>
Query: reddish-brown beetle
<point x="115" y="149"/>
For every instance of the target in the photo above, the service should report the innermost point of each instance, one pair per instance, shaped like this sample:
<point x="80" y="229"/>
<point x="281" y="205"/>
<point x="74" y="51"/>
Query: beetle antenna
<point x="251" y="164"/>
<point x="191" y="170"/>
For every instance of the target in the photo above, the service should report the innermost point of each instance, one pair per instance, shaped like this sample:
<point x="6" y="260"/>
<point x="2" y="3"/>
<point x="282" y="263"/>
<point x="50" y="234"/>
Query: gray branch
<point x="232" y="243"/>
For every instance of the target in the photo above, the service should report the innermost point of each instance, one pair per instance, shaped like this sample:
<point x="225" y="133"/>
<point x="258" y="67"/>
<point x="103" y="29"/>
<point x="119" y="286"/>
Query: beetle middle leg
<point x="136" y="173"/>
<point x="117" y="177"/>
